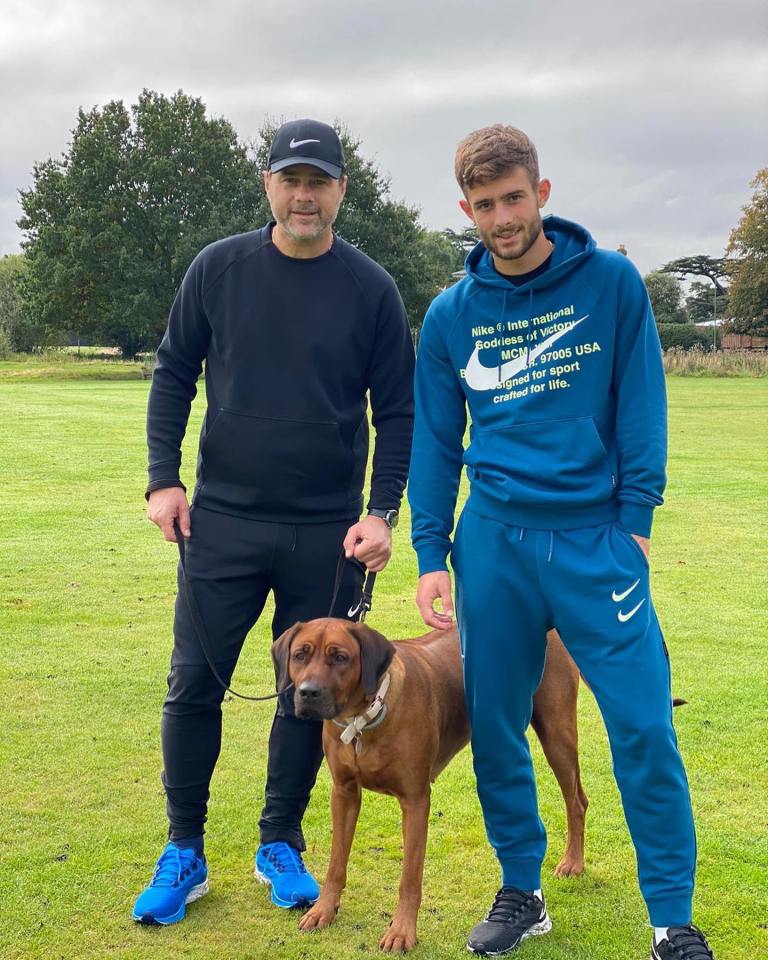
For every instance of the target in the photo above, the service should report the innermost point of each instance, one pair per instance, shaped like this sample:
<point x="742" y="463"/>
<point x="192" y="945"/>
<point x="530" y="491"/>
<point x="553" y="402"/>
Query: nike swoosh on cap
<point x="479" y="377"/>
<point x="618" y="597"/>
<point x="623" y="617"/>
<point x="300" y="143"/>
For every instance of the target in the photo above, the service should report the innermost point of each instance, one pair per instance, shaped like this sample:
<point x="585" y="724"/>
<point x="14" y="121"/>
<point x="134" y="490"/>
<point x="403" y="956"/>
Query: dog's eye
<point x="340" y="658"/>
<point x="299" y="655"/>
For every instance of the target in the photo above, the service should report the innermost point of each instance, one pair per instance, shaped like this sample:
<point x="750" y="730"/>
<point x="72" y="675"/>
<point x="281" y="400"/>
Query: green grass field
<point x="86" y="593"/>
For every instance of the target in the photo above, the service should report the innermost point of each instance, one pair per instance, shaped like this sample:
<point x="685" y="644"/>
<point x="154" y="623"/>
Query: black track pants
<point x="232" y="565"/>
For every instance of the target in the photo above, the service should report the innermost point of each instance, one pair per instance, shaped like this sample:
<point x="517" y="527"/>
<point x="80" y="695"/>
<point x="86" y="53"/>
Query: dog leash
<point x="197" y="620"/>
<point x="364" y="604"/>
<point x="360" y="609"/>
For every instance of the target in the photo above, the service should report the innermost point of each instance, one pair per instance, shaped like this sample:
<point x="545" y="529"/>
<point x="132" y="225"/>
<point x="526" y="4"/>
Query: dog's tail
<point x="677" y="702"/>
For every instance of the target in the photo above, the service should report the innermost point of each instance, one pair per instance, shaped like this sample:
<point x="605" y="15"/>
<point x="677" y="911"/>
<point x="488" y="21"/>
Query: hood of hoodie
<point x="572" y="244"/>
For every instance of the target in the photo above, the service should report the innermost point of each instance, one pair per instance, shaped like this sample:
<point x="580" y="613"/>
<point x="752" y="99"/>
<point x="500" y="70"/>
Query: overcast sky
<point x="649" y="118"/>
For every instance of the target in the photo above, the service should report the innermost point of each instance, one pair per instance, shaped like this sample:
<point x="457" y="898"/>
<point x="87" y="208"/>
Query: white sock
<point x="660" y="933"/>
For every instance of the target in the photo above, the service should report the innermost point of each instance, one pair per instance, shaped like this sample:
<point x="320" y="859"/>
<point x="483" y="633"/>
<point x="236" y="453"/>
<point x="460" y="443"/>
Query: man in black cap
<point x="295" y="327"/>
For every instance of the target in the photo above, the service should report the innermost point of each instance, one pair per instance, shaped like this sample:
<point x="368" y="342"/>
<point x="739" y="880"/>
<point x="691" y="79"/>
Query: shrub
<point x="6" y="347"/>
<point x="685" y="336"/>
<point x="697" y="362"/>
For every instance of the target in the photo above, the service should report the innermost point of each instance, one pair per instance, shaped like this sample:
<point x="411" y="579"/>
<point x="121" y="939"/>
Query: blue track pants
<point x="592" y="584"/>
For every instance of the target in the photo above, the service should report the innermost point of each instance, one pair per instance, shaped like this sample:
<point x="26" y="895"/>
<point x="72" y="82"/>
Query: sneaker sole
<point x="194" y="894"/>
<point x="537" y="930"/>
<point x="283" y="904"/>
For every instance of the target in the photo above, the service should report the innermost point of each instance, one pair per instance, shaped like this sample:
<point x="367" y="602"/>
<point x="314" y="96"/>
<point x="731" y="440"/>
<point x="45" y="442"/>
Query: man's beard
<point x="530" y="234"/>
<point x="321" y="225"/>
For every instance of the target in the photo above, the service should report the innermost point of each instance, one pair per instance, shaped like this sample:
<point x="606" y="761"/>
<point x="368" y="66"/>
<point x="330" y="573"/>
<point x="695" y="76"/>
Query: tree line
<point x="732" y="291"/>
<point x="732" y="288"/>
<point x="111" y="226"/>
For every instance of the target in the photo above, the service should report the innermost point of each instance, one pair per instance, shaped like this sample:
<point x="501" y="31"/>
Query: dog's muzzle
<point x="311" y="701"/>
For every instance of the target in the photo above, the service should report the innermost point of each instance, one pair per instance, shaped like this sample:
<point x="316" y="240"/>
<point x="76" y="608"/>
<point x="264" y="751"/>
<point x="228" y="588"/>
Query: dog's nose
<point x="309" y="691"/>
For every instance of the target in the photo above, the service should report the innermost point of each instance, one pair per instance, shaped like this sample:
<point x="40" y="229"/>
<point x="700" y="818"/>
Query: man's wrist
<point x="390" y="517"/>
<point x="163" y="485"/>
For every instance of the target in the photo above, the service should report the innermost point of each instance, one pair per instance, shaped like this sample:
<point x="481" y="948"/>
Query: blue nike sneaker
<point x="181" y="876"/>
<point x="280" y="865"/>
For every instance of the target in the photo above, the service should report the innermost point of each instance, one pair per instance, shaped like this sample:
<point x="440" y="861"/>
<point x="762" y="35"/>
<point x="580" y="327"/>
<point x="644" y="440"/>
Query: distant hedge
<point x="685" y="336"/>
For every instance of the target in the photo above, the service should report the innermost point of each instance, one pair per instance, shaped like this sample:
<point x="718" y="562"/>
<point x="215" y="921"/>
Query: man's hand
<point x="433" y="586"/>
<point x="167" y="505"/>
<point x="644" y="542"/>
<point x="370" y="542"/>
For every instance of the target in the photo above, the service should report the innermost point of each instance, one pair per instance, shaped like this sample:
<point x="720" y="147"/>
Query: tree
<point x="432" y="269"/>
<point x="748" y="300"/>
<point x="19" y="330"/>
<point x="716" y="269"/>
<point x="462" y="240"/>
<point x="421" y="261"/>
<point x="700" y="302"/>
<point x="11" y="298"/>
<point x="666" y="298"/>
<point x="112" y="225"/>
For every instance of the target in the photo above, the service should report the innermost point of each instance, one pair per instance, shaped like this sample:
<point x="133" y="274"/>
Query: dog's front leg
<point x="345" y="807"/>
<point x="401" y="934"/>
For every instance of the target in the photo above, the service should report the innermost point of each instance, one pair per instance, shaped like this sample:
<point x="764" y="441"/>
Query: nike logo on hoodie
<point x="479" y="377"/>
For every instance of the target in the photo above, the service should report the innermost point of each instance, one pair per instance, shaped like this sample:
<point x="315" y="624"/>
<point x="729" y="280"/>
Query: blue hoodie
<point x="564" y="383"/>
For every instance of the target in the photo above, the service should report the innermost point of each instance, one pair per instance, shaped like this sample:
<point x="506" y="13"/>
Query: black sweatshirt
<point x="291" y="348"/>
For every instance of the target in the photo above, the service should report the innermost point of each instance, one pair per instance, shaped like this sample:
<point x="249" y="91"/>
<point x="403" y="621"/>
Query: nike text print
<point x="479" y="377"/>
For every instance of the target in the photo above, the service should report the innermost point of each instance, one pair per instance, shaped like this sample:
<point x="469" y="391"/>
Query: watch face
<point x="390" y="517"/>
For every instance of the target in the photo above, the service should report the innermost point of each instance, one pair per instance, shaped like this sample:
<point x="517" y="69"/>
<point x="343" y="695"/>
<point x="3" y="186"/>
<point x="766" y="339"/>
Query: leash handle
<point x="365" y="602"/>
<point x="358" y="611"/>
<point x="197" y="620"/>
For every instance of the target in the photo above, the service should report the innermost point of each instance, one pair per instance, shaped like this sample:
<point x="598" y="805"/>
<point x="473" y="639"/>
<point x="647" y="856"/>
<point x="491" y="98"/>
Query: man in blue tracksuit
<point x="552" y="346"/>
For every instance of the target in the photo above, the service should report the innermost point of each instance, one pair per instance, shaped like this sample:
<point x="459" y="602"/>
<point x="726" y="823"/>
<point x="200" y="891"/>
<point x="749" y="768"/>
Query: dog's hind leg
<point x="345" y="808"/>
<point x="554" y="720"/>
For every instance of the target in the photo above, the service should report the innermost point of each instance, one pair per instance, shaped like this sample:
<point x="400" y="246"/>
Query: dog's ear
<point x="376" y="654"/>
<point x="281" y="651"/>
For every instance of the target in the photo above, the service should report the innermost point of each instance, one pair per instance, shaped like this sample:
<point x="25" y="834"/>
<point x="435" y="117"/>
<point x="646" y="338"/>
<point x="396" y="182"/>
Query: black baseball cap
<point x="307" y="141"/>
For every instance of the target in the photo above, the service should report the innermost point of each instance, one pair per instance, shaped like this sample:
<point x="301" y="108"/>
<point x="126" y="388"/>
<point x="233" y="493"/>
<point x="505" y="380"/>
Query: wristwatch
<point x="390" y="517"/>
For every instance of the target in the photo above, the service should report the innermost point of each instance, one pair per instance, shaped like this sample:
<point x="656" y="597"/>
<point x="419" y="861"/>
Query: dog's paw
<point x="318" y="917"/>
<point x="570" y="866"/>
<point x="400" y="937"/>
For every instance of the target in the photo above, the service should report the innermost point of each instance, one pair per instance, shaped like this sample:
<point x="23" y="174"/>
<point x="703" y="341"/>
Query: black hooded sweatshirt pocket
<point x="265" y="465"/>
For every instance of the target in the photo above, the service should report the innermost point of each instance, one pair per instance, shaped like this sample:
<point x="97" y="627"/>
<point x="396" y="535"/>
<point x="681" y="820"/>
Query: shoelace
<point x="173" y="866"/>
<point x="689" y="943"/>
<point x="285" y="859"/>
<point x="509" y="904"/>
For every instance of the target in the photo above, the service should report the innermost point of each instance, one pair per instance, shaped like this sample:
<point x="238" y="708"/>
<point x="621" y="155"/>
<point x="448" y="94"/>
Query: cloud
<point x="645" y="118"/>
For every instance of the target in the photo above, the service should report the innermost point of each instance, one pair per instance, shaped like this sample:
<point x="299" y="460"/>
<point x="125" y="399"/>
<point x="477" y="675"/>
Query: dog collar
<point x="373" y="716"/>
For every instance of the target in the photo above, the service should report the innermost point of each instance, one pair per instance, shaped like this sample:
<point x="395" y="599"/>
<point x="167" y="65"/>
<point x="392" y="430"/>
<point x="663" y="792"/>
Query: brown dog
<point x="343" y="672"/>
